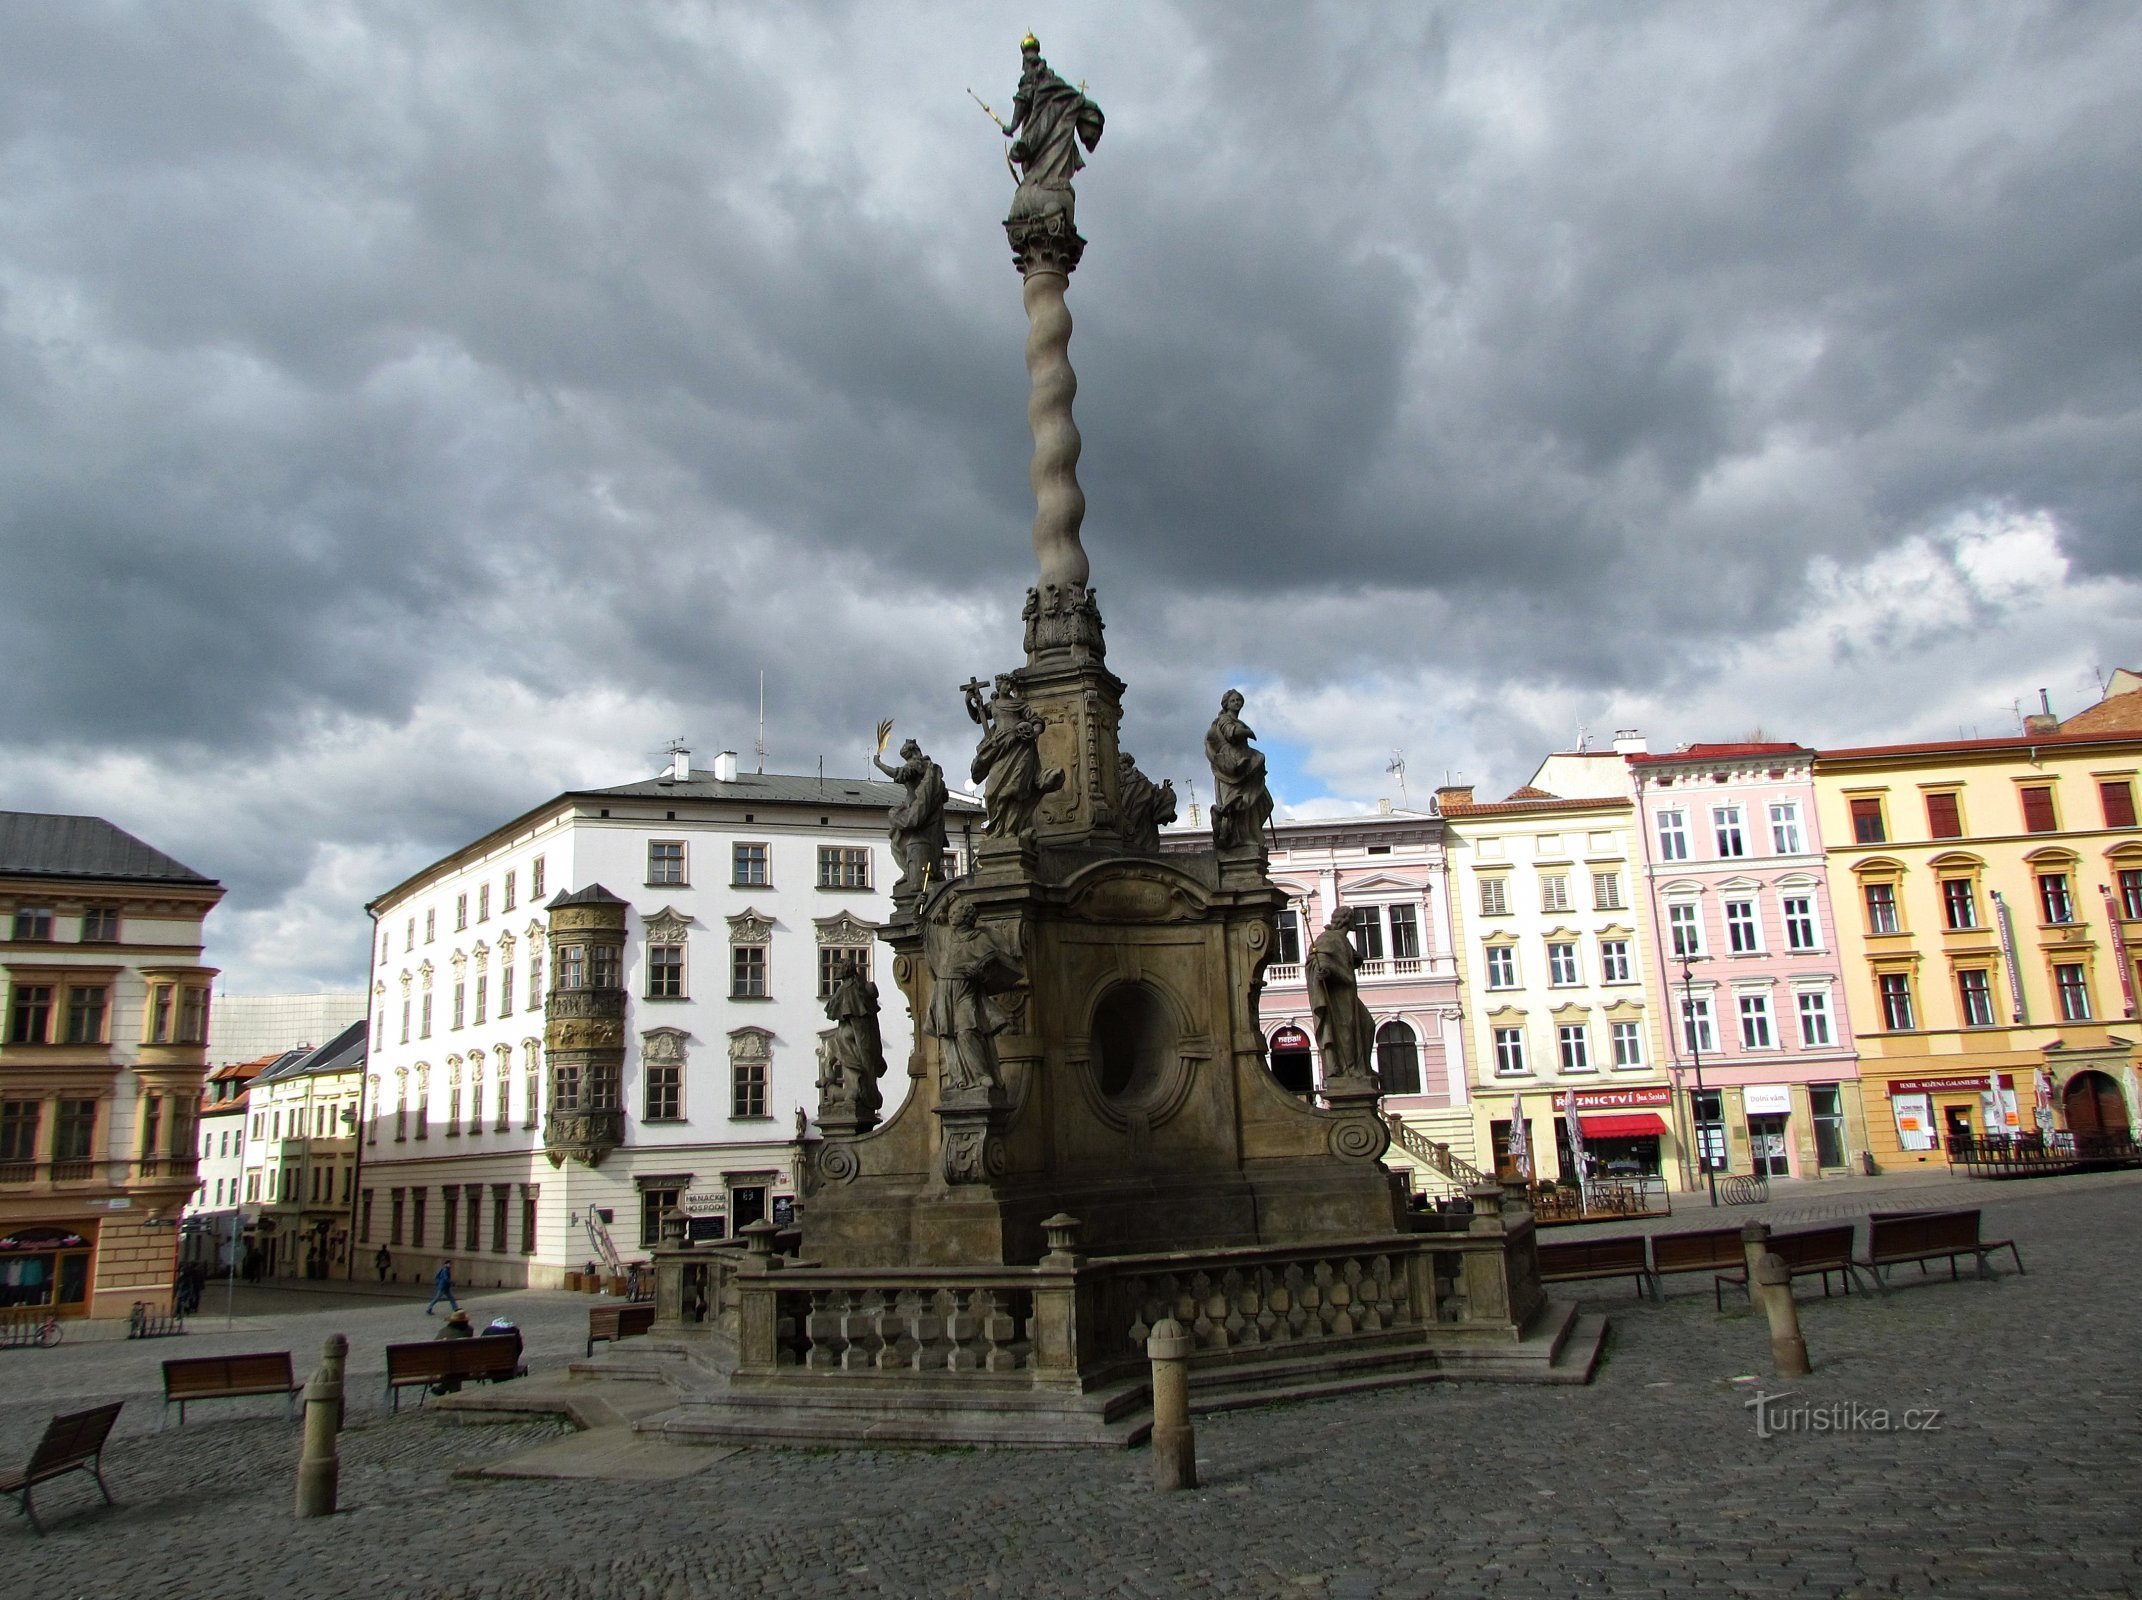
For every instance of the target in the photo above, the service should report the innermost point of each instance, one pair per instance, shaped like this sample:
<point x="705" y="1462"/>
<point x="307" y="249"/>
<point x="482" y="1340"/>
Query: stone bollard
<point x="1174" y="1445"/>
<point x="319" y="1470"/>
<point x="1773" y="1286"/>
<point x="1754" y="1244"/>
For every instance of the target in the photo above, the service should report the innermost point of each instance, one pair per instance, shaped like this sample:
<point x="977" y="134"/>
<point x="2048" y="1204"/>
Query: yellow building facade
<point x="1988" y="897"/>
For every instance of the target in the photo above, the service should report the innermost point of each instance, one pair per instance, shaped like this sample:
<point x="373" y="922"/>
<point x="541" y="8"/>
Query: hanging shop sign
<point x="1612" y="1099"/>
<point x="2119" y="949"/>
<point x="1952" y="1083"/>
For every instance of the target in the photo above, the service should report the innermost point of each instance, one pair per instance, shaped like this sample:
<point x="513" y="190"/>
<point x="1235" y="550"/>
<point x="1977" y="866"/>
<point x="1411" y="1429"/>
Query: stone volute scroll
<point x="1241" y="804"/>
<point x="1007" y="763"/>
<point x="917" y="822"/>
<point x="1142" y="807"/>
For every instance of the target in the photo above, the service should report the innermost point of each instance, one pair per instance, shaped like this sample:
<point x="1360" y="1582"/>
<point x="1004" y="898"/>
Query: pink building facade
<point x="1745" y="964"/>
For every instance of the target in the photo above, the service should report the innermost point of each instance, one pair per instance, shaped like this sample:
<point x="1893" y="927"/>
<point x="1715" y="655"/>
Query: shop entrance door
<point x="2094" y="1105"/>
<point x="1766" y="1147"/>
<point x="747" y="1204"/>
<point x="1957" y="1119"/>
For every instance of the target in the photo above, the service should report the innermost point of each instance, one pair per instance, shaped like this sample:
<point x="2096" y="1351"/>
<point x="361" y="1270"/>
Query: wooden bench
<point x="1811" y="1250"/>
<point x="1922" y="1236"/>
<point x="1568" y="1261"/>
<point x="227" y="1377"/>
<point x="492" y="1358"/>
<point x="611" y="1323"/>
<point x="1700" y="1250"/>
<point x="73" y="1443"/>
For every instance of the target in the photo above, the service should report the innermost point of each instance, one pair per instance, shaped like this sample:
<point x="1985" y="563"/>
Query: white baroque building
<point x="744" y="891"/>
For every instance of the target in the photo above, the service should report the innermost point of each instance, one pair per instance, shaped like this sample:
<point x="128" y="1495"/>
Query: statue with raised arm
<point x="1241" y="804"/>
<point x="1007" y="763"/>
<point x="1345" y="1033"/>
<point x="1050" y="120"/>
<point x="1142" y="807"/>
<point x="970" y="966"/>
<point x="917" y="822"/>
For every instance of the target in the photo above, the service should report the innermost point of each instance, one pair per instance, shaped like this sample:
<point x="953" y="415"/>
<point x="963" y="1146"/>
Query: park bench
<point x="1570" y="1260"/>
<point x="1699" y="1250"/>
<point x="193" y="1378"/>
<point x="1894" y="1237"/>
<point x="1820" y="1251"/>
<point x="73" y="1443"/>
<point x="490" y="1359"/>
<point x="611" y="1323"/>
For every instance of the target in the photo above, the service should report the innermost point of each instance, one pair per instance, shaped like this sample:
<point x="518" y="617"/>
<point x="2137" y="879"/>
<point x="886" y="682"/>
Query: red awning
<point x="1623" y="1125"/>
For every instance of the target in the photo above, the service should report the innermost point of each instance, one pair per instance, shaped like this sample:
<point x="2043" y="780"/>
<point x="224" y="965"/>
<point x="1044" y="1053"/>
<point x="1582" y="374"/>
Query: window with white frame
<point x="1696" y="1023"/>
<point x="1495" y="897"/>
<point x="1673" y="834"/>
<point x="665" y="862"/>
<point x="1628" y="1041"/>
<point x="1755" y="1029"/>
<point x="836" y="961"/>
<point x="1573" y="1044"/>
<point x="1799" y="914"/>
<point x="2072" y="984"/>
<point x="483" y="902"/>
<point x="1502" y="966"/>
<point x="1554" y="891"/>
<point x="843" y="866"/>
<point x="1815" y="1030"/>
<point x="1606" y="891"/>
<point x="747" y="972"/>
<point x="461" y="912"/>
<point x="1684" y="927"/>
<point x="1562" y="963"/>
<point x="1614" y="961"/>
<point x="1744" y="930"/>
<point x="1726" y="830"/>
<point x="1974" y="997"/>
<point x="1367" y="932"/>
<point x="1785" y="827"/>
<point x="535" y="878"/>
<point x="1405" y="932"/>
<point x="512" y="878"/>
<point x="1287" y="948"/>
<point x="1509" y="1052"/>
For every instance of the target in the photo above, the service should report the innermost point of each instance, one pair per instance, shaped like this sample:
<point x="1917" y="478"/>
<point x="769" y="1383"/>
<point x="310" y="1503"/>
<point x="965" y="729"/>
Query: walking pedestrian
<point x="442" y="1288"/>
<point x="383" y="1263"/>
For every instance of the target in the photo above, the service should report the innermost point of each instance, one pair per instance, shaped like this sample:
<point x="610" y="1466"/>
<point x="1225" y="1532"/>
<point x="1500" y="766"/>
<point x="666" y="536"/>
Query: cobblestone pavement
<point x="1651" y="1481"/>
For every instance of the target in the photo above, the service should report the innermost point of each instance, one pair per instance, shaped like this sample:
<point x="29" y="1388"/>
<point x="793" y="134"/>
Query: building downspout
<point x="1681" y="1114"/>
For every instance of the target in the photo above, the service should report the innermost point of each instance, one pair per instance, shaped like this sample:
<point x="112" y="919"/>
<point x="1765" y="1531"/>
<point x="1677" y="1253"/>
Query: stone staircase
<point x="1461" y="1175"/>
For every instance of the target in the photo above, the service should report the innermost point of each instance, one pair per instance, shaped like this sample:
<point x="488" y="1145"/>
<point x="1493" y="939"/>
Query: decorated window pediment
<point x="1741" y="885"/>
<point x="661" y="1047"/>
<point x="460" y="959"/>
<point x="406" y="981"/>
<point x="1507" y="1013"/>
<point x="1624" y="1010"/>
<point x="1501" y="938"/>
<point x="481" y="955"/>
<point x="750" y="1044"/>
<point x="749" y="927"/>
<point x="1617" y="930"/>
<point x="845" y="930"/>
<point x="424" y="973"/>
<point x="505" y="947"/>
<point x="535" y="930"/>
<point x="1570" y="1008"/>
<point x="668" y="926"/>
<point x="1379" y="883"/>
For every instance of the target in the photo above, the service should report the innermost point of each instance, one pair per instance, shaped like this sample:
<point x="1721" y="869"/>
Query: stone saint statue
<point x="1142" y="810"/>
<point x="1050" y="120"/>
<point x="969" y="967"/>
<point x="1241" y="804"/>
<point x="917" y="823"/>
<point x="1007" y="763"/>
<point x="1345" y="1033"/>
<point x="852" y="1056"/>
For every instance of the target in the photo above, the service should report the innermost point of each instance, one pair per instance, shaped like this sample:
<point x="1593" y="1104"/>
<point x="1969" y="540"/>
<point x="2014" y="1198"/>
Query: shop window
<point x="1398" y="1059"/>
<point x="1707" y="1110"/>
<point x="1825" y="1103"/>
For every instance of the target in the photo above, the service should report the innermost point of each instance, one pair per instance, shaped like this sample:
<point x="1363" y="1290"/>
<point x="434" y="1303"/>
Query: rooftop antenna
<point x="675" y="748"/>
<point x="1397" y="764"/>
<point x="759" y="749"/>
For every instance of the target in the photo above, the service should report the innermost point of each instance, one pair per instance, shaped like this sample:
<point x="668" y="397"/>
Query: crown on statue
<point x="1029" y="43"/>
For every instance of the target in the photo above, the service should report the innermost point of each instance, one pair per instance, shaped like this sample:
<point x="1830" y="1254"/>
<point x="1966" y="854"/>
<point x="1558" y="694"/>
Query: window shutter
<point x="1942" y="819"/>
<point x="1867" y="821"/>
<point x="2038" y="810"/>
<point x="2119" y="798"/>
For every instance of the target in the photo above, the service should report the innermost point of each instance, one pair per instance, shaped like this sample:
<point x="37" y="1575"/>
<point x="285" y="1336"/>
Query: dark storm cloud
<point x="384" y="388"/>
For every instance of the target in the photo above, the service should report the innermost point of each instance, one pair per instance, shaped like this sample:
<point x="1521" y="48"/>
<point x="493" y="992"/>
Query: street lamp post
<point x="1695" y="1054"/>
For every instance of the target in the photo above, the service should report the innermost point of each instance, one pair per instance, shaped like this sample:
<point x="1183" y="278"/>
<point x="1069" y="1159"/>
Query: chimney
<point x="1453" y="794"/>
<point x="725" y="767"/>
<point x="1630" y="742"/>
<point x="2042" y="720"/>
<point x="680" y="763"/>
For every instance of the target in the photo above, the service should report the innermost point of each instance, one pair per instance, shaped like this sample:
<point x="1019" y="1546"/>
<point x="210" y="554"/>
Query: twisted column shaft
<point x="1059" y="503"/>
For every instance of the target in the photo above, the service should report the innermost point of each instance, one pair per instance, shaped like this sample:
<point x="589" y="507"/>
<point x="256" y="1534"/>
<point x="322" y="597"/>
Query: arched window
<point x="1398" y="1059"/>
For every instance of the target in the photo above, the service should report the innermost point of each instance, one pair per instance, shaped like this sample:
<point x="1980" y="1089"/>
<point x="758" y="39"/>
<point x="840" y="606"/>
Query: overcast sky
<point x="408" y="411"/>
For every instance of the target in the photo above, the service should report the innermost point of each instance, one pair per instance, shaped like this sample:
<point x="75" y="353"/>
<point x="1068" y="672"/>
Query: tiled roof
<point x="1718" y="752"/>
<point x="2018" y="741"/>
<point x="345" y="1050"/>
<point x="35" y="844"/>
<point x="2122" y="713"/>
<point x="1458" y="810"/>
